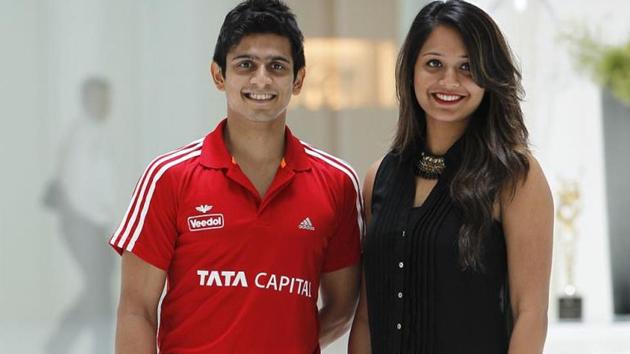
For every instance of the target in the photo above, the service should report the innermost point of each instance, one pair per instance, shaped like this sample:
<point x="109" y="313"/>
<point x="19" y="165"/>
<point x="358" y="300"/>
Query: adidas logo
<point x="306" y="224"/>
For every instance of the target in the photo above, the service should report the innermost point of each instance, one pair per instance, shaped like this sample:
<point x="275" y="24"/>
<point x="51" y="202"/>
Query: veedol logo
<point x="205" y="222"/>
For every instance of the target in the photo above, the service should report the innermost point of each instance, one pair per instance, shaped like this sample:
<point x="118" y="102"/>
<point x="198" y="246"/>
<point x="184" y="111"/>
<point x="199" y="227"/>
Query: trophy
<point x="569" y="302"/>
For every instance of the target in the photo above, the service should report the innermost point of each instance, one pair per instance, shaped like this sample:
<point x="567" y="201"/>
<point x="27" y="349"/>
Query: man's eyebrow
<point x="269" y="58"/>
<point x="279" y="58"/>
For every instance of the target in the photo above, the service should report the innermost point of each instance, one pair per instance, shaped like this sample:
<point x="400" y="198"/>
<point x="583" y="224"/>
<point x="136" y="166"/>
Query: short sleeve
<point x="149" y="228"/>
<point x="344" y="247"/>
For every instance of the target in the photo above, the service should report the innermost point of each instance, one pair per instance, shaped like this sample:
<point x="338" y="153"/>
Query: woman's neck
<point x="440" y="136"/>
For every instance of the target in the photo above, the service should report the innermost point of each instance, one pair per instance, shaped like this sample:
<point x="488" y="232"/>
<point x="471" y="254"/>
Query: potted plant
<point x="608" y="65"/>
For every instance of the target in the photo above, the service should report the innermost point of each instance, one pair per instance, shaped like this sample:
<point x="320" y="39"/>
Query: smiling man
<point x="248" y="226"/>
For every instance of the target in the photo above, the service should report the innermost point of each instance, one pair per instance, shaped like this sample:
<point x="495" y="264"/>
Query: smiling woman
<point x="443" y="83"/>
<point x="460" y="214"/>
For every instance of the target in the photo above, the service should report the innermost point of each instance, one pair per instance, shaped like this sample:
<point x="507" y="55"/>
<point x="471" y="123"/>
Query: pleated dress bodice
<point x="420" y="300"/>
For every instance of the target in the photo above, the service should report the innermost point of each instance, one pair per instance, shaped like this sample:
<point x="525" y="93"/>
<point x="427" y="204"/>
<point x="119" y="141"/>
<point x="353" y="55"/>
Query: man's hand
<point x="339" y="291"/>
<point x="141" y="288"/>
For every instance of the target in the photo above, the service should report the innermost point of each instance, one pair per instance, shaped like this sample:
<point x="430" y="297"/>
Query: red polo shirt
<point x="242" y="272"/>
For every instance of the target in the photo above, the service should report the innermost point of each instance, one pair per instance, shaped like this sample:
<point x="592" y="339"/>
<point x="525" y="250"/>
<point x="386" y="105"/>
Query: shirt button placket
<point x="401" y="265"/>
<point x="399" y="293"/>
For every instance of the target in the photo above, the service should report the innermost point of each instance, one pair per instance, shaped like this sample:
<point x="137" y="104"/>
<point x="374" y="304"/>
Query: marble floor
<point x="563" y="338"/>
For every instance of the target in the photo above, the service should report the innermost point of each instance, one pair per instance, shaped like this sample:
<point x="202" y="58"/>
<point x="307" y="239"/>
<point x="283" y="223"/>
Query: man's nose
<point x="261" y="77"/>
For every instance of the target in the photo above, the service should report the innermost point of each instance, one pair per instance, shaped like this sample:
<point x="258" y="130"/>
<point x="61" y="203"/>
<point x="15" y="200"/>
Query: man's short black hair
<point x="256" y="17"/>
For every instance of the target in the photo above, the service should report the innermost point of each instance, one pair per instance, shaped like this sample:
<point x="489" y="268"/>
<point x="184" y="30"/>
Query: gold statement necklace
<point x="430" y="166"/>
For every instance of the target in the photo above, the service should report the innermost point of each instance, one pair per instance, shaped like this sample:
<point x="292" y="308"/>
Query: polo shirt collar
<point x="214" y="152"/>
<point x="294" y="154"/>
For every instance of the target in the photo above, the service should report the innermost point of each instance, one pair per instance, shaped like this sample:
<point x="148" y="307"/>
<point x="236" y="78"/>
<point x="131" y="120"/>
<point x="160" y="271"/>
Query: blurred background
<point x="94" y="89"/>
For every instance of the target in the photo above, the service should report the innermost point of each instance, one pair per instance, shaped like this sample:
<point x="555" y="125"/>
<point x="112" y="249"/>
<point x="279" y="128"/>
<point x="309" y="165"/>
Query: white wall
<point x="23" y="258"/>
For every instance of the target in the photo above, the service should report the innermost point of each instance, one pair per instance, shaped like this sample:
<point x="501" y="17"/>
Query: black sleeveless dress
<point x="419" y="298"/>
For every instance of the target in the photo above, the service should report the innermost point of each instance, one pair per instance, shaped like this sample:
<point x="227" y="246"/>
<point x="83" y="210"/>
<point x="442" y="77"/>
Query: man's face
<point x="258" y="80"/>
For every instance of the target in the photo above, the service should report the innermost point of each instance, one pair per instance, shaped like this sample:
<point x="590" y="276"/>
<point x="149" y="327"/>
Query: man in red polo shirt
<point x="246" y="226"/>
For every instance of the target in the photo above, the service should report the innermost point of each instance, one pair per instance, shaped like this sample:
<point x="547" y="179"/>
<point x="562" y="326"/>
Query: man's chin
<point x="264" y="118"/>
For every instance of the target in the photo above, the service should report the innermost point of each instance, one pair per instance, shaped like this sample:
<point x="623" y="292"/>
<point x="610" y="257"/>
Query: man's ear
<point x="217" y="76"/>
<point x="299" y="81"/>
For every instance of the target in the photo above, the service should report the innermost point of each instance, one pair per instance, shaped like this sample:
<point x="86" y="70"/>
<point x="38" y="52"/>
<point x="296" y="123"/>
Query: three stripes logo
<point x="306" y="224"/>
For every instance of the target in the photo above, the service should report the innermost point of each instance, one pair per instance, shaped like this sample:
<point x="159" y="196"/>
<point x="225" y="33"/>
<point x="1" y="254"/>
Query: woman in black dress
<point x="458" y="252"/>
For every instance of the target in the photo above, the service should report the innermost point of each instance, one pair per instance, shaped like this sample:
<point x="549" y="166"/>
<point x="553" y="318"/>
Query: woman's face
<point x="442" y="79"/>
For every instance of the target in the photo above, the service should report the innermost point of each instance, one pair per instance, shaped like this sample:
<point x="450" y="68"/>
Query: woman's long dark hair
<point x="495" y="143"/>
